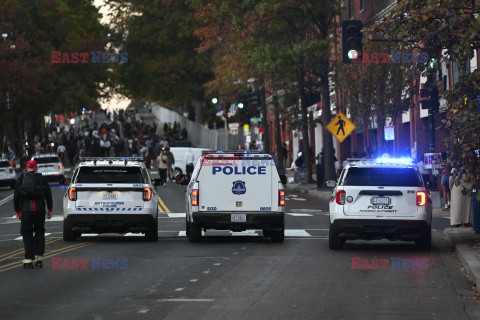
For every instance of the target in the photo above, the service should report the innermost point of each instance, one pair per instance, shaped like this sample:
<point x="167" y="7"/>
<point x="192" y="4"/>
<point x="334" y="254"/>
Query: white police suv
<point x="7" y="174"/>
<point x="235" y="190"/>
<point x="50" y="166"/>
<point x="111" y="195"/>
<point x="380" y="199"/>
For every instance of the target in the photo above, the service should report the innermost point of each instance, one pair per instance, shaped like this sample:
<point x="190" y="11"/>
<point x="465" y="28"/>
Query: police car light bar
<point x="232" y="151"/>
<point x="395" y="160"/>
<point x="126" y="159"/>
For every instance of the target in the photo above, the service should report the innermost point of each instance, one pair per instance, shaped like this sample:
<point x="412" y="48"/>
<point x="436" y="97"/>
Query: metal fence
<point x="198" y="135"/>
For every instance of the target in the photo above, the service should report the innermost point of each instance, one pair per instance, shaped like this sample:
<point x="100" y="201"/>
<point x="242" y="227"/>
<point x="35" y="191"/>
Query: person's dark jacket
<point x="37" y="205"/>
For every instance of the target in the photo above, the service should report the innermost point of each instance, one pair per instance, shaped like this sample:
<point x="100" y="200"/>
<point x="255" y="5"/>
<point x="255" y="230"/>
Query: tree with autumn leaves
<point x="448" y="30"/>
<point x="35" y="86"/>
<point x="286" y="44"/>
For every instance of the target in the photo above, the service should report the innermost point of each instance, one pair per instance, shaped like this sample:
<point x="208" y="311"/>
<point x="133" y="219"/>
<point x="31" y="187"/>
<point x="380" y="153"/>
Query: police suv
<point x="380" y="199"/>
<point x="7" y="174"/>
<point x="235" y="190"/>
<point x="111" y="195"/>
<point x="50" y="166"/>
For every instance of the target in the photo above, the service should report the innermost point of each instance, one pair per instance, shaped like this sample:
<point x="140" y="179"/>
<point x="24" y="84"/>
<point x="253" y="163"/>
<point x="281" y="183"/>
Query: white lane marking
<point x="129" y="234"/>
<point x="296" y="233"/>
<point x="206" y="272"/>
<point x="176" y="215"/>
<point x="182" y="234"/>
<point x="89" y="234"/>
<point x="21" y="238"/>
<point x="143" y="311"/>
<point x="299" y="214"/>
<point x="5" y="200"/>
<point x="193" y="280"/>
<point x="217" y="264"/>
<point x="185" y="300"/>
<point x="179" y="289"/>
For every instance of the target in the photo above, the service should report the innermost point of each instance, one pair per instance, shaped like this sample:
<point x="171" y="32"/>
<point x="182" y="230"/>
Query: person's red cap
<point x="32" y="164"/>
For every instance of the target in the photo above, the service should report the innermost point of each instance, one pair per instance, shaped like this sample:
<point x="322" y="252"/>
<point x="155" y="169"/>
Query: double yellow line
<point x="19" y="263"/>
<point x="161" y="206"/>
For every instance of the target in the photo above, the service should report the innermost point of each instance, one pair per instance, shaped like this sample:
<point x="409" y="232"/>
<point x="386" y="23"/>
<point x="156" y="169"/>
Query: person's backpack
<point x="30" y="187"/>
<point x="299" y="162"/>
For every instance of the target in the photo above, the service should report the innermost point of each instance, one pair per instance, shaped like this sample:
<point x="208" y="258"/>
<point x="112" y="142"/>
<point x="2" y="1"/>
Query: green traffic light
<point x="240" y="105"/>
<point x="352" y="54"/>
<point x="214" y="100"/>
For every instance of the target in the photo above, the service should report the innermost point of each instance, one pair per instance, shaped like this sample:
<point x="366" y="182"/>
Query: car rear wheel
<point x="152" y="234"/>
<point x="195" y="232"/>
<point x="425" y="243"/>
<point x="69" y="234"/>
<point x="334" y="241"/>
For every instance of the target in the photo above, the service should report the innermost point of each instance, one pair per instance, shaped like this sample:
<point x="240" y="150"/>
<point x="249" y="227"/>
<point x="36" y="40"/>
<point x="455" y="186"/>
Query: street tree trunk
<point x="306" y="144"/>
<point x="278" y="134"/>
<point x="329" y="161"/>
<point x="264" y="111"/>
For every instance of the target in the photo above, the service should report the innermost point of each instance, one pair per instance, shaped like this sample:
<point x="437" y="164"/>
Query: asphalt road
<point x="228" y="275"/>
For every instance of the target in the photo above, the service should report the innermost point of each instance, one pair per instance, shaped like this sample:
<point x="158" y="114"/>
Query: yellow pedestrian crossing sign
<point x="340" y="126"/>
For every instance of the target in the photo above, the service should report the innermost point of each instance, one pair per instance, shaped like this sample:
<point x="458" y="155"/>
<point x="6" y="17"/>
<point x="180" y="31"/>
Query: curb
<point x="468" y="260"/>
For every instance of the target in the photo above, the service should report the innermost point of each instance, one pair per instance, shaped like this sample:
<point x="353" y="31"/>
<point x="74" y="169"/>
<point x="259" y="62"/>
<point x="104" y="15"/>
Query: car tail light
<point x="72" y="194"/>
<point x="340" y="197"/>
<point x="281" y="198"/>
<point x="147" y="194"/>
<point x="422" y="198"/>
<point x="60" y="166"/>
<point x="194" y="197"/>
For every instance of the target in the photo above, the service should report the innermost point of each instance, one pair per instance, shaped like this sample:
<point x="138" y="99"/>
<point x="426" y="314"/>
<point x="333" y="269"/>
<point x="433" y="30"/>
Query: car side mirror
<point x="158" y="182"/>
<point x="182" y="179"/>
<point x="283" y="179"/>
<point x="331" y="183"/>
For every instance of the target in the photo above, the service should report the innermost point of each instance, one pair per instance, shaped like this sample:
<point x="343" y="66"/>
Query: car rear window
<point x="47" y="160"/>
<point x="4" y="164"/>
<point x="110" y="175"/>
<point x="386" y="177"/>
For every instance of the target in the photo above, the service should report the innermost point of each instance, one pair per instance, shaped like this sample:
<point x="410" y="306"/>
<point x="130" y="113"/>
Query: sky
<point x="117" y="101"/>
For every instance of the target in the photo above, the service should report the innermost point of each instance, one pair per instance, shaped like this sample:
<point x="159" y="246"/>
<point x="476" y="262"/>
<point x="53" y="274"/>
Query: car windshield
<point x="4" y="164"/>
<point x="110" y="175"/>
<point x="386" y="177"/>
<point x="47" y="160"/>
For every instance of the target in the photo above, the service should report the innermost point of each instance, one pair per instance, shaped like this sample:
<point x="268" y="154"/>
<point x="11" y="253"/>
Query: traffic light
<point x="434" y="99"/>
<point x="214" y="100"/>
<point x="240" y="105"/>
<point x="351" y="40"/>
<point x="425" y="94"/>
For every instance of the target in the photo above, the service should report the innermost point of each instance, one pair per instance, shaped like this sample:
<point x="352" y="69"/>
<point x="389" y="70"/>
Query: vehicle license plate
<point x="381" y="201"/>
<point x="239" y="217"/>
<point x="110" y="196"/>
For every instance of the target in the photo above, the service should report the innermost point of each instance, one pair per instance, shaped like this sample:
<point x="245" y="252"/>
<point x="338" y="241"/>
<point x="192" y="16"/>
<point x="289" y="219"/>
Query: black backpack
<point x="31" y="187"/>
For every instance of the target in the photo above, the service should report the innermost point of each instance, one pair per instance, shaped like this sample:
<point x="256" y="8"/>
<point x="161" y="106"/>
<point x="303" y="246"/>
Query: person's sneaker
<point x="38" y="262"/>
<point x="28" y="264"/>
<point x="446" y="206"/>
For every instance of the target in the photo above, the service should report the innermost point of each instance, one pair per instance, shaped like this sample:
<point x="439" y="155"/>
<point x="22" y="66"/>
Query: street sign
<point x="340" y="126"/>
<point x="255" y="120"/>
<point x="389" y="133"/>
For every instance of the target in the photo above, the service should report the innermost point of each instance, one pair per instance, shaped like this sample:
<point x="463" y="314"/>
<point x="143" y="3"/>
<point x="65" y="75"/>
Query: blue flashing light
<point x="84" y="109"/>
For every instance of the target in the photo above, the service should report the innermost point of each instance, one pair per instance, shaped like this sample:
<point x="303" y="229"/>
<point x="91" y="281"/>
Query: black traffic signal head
<point x="351" y="40"/>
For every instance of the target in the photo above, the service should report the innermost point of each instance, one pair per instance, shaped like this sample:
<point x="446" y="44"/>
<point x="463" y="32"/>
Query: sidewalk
<point x="464" y="241"/>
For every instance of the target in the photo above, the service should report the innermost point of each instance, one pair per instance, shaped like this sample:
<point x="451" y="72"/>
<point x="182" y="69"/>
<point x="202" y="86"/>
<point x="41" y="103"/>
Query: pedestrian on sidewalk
<point x="445" y="182"/>
<point x="31" y="193"/>
<point x="461" y="205"/>
<point x="170" y="163"/>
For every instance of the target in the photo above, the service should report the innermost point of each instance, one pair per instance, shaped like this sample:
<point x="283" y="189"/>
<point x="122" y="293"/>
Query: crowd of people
<point x="121" y="134"/>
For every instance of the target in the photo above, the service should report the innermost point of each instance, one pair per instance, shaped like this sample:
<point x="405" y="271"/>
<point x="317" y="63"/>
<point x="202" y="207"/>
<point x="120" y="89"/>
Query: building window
<point x="350" y="9"/>
<point x="362" y="5"/>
